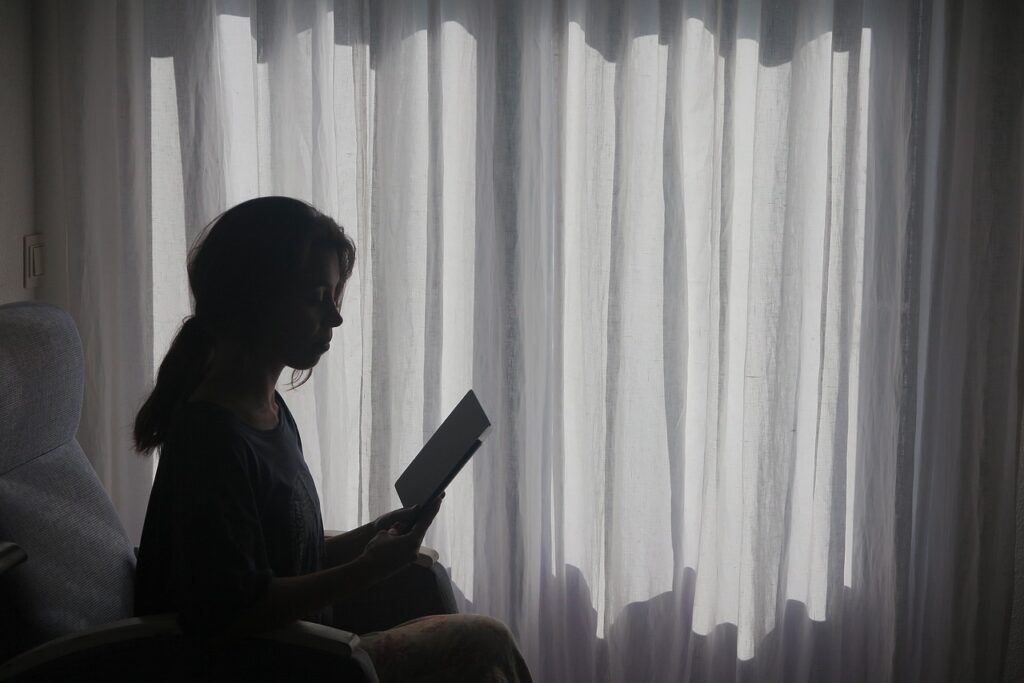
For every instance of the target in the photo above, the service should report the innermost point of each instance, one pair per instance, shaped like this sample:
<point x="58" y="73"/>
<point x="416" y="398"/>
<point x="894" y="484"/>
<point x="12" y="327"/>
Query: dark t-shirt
<point x="232" y="506"/>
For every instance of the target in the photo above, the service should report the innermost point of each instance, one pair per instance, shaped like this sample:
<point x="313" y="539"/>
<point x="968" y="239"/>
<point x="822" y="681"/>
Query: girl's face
<point x="301" y="321"/>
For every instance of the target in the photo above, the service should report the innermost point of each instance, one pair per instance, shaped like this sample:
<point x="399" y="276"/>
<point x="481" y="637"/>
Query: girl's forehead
<point x="320" y="265"/>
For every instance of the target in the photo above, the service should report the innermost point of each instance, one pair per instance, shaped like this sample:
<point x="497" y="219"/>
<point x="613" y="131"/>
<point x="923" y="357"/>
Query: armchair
<point x="67" y="565"/>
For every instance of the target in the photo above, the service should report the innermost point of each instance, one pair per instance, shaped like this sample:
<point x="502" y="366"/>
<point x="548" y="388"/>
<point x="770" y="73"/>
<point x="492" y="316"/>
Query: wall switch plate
<point x="34" y="260"/>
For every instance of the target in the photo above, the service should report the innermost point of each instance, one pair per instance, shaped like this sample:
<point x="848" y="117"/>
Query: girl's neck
<point x="242" y="385"/>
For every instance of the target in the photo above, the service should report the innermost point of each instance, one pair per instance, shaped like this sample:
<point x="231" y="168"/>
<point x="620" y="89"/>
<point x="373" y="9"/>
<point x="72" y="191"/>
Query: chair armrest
<point x="307" y="634"/>
<point x="11" y="555"/>
<point x="427" y="557"/>
<point x="164" y="648"/>
<point x="311" y="638"/>
<point x="124" y="630"/>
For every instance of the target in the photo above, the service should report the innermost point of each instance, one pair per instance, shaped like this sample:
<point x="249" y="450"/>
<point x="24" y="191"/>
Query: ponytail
<point x="248" y="255"/>
<point x="180" y="374"/>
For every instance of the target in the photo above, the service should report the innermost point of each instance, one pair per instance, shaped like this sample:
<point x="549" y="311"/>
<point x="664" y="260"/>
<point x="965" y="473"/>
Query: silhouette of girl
<point x="233" y="539"/>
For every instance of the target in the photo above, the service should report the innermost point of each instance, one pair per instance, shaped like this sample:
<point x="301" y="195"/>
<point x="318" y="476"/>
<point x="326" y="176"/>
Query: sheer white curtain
<point x="739" y="284"/>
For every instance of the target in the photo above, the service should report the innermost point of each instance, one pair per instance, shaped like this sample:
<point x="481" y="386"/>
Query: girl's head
<point x="267" y="278"/>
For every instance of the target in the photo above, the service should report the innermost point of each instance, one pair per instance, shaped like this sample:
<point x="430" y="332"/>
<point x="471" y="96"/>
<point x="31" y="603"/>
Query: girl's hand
<point x="393" y="548"/>
<point x="402" y="517"/>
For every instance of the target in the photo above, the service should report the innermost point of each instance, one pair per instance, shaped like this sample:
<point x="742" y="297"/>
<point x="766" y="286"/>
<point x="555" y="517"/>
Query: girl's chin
<point x="306" y="363"/>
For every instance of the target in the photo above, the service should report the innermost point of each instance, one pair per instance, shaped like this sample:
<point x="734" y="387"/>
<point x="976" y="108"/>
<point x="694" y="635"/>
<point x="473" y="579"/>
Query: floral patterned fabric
<point x="449" y="647"/>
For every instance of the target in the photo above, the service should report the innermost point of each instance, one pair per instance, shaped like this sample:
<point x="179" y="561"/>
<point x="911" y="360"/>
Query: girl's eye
<point x="316" y="296"/>
<point x="320" y="297"/>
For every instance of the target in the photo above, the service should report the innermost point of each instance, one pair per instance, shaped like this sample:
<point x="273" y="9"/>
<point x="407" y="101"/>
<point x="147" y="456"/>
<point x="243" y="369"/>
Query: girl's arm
<point x="346" y="547"/>
<point x="290" y="598"/>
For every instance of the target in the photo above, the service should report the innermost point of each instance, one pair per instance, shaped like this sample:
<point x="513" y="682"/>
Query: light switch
<point x="37" y="260"/>
<point x="33" y="262"/>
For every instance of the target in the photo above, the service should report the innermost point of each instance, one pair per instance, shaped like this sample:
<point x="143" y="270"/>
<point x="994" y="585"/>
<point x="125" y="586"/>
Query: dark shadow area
<point x="653" y="641"/>
<point x="661" y="646"/>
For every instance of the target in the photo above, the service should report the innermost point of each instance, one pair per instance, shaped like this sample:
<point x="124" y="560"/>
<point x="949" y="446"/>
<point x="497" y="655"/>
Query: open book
<point x="444" y="454"/>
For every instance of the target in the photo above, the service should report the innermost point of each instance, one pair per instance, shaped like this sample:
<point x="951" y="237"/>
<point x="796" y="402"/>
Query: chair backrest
<point x="81" y="564"/>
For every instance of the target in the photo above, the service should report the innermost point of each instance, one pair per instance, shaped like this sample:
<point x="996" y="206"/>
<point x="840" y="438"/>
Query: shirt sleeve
<point x="222" y="562"/>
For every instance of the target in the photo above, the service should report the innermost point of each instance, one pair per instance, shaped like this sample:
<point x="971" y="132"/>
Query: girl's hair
<point x="247" y="255"/>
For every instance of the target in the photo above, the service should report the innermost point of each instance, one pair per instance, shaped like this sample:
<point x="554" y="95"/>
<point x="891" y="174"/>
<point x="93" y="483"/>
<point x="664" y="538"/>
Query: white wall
<point x="16" y="168"/>
<point x="48" y="150"/>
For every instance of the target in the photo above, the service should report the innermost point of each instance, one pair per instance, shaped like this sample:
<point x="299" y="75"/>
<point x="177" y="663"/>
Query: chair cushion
<point x="41" y="380"/>
<point x="81" y="564"/>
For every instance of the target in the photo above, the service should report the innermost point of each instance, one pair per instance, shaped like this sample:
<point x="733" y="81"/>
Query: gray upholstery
<point x="41" y="377"/>
<point x="81" y="565"/>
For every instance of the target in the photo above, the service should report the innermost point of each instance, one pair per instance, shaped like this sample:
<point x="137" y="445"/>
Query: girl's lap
<point x="446" y="647"/>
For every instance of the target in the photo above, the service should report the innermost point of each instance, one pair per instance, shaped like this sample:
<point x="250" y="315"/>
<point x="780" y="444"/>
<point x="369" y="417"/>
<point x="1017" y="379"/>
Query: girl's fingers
<point x="425" y="519"/>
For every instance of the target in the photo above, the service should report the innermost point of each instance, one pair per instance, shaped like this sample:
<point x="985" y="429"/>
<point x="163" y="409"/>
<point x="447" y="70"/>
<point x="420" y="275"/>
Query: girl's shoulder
<point x="200" y="426"/>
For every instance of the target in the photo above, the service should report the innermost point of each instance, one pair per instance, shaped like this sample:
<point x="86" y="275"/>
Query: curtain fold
<point x="969" y="380"/>
<point x="738" y="283"/>
<point x="92" y="176"/>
